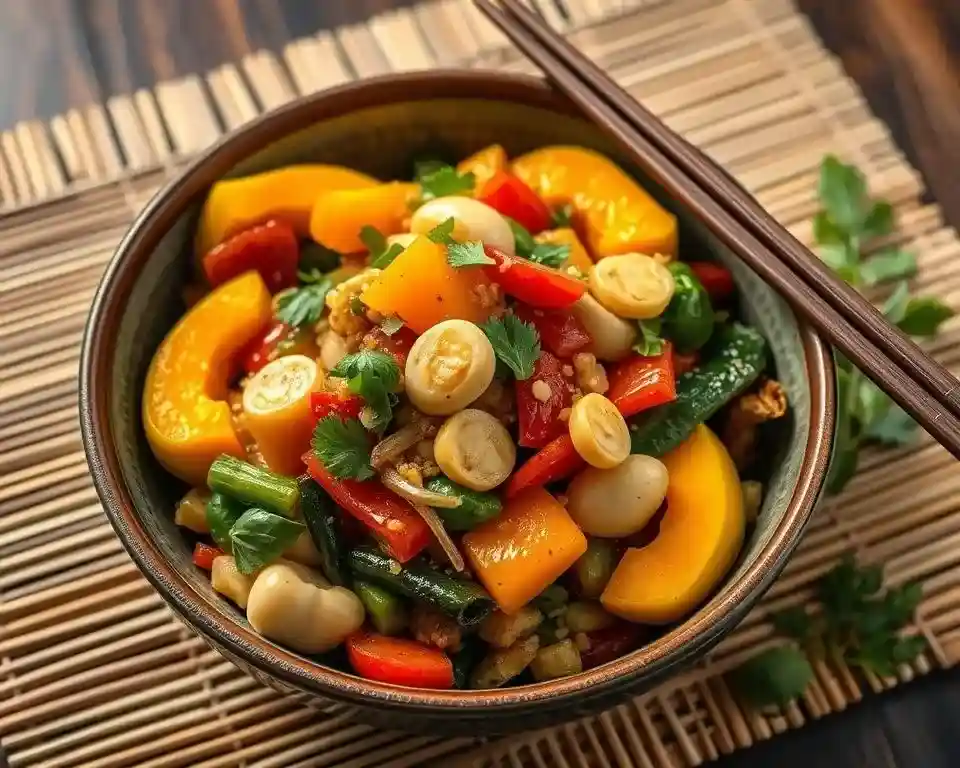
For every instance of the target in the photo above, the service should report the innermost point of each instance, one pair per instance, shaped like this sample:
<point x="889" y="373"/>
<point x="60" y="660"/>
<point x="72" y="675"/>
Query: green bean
<point x="384" y="609"/>
<point x="321" y="515"/>
<point x="475" y="507"/>
<point x="464" y="600"/>
<point x="465" y="660"/>
<point x="254" y="486"/>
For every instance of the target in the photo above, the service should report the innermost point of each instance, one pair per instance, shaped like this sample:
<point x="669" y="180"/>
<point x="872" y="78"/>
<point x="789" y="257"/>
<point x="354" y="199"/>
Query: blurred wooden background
<point x="55" y="54"/>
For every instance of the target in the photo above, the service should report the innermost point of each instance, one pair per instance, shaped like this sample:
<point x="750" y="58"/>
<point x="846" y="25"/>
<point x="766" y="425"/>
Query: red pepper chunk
<point x="555" y="461"/>
<point x="258" y="352"/>
<point x="325" y="404"/>
<point x="391" y="520"/>
<point x="508" y="195"/>
<point x="559" y="329"/>
<point x="204" y="555"/>
<point x="539" y="420"/>
<point x="271" y="249"/>
<point x="399" y="661"/>
<point x="532" y="283"/>
<point x="639" y="383"/>
<point x="716" y="279"/>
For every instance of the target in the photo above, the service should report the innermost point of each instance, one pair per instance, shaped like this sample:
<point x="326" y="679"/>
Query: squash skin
<point x="613" y="213"/>
<point x="700" y="537"/>
<point x="185" y="414"/>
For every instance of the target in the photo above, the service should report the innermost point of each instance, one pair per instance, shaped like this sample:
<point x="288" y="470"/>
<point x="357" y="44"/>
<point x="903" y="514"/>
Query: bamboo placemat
<point x="95" y="671"/>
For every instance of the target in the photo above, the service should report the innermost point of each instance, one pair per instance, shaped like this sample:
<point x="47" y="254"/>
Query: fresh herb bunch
<point x="847" y="223"/>
<point x="858" y="623"/>
<point x="469" y="254"/>
<point x="515" y="343"/>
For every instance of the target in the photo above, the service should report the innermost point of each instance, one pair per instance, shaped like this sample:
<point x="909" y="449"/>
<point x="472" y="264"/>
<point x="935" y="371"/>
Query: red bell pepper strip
<point x="260" y="349"/>
<point x="611" y="643"/>
<point x="639" y="383"/>
<point x="399" y="661"/>
<point x="508" y="195"/>
<point x="716" y="279"/>
<point x="555" y="461"/>
<point x="325" y="404"/>
<point x="391" y="520"/>
<point x="272" y="249"/>
<point x="204" y="555"/>
<point x="398" y="345"/>
<point x="532" y="283"/>
<point x="539" y="421"/>
<point x="559" y="329"/>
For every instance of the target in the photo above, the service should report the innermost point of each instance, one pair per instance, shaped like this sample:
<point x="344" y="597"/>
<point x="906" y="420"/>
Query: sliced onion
<point x="414" y="493"/>
<point x="403" y="439"/>
<point x="393" y="480"/>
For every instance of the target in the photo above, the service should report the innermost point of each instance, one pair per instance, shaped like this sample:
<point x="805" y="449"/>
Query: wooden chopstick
<point x="859" y="312"/>
<point x="900" y="382"/>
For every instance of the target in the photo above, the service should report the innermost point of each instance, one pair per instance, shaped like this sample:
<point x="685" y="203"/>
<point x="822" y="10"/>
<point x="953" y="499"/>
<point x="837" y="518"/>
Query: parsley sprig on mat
<point x="848" y="221"/>
<point x="858" y="622"/>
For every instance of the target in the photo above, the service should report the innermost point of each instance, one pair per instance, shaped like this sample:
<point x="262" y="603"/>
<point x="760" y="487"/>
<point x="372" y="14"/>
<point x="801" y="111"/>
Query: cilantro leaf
<point x="894" y="427"/>
<point x="317" y="258"/>
<point x="793" y="622"/>
<point x="649" y="342"/>
<point x="445" y="181"/>
<point x="523" y="241"/>
<point x="843" y="192"/>
<point x="259" y="536"/>
<point x="391" y="324"/>
<point x="879" y="220"/>
<point x="381" y="254"/>
<point x="514" y="342"/>
<point x="373" y="375"/>
<point x="343" y="447"/>
<point x="891" y="264"/>
<point x="923" y="316"/>
<point x="825" y="232"/>
<point x="303" y="306"/>
<point x="467" y="255"/>
<point x="772" y="678"/>
<point x="443" y="232"/>
<point x="550" y="254"/>
<point x="425" y="167"/>
<point x="895" y="307"/>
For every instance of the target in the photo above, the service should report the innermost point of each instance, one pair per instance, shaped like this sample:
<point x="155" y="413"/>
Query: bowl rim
<point x="697" y="633"/>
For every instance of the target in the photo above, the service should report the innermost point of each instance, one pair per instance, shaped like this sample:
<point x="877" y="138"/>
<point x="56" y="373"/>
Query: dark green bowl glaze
<point x="380" y="126"/>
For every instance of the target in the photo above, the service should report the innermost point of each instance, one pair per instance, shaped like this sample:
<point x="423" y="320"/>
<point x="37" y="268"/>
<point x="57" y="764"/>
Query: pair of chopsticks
<point x="920" y="385"/>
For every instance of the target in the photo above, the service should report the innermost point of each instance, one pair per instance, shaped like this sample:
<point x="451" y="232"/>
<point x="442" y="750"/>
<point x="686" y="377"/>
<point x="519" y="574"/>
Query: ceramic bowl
<point x="379" y="126"/>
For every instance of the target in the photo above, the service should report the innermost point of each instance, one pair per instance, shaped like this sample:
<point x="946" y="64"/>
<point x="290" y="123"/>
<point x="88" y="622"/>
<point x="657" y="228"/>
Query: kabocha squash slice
<point x="340" y="214"/>
<point x="613" y="212"/>
<point x="700" y="536"/>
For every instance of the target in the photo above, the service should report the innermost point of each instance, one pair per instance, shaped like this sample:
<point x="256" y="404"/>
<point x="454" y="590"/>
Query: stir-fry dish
<point x="458" y="427"/>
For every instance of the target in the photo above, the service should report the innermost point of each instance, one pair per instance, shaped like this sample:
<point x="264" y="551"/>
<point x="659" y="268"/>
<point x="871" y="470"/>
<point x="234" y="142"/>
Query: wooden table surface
<point x="905" y="54"/>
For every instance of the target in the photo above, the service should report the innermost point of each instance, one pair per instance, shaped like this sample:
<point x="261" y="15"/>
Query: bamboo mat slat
<point x="95" y="671"/>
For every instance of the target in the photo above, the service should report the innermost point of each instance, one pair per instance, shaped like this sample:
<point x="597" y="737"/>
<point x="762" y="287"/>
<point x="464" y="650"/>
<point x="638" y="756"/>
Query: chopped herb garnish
<point x="445" y="181"/>
<point x="467" y="255"/>
<point x="649" y="342"/>
<point x="304" y="305"/>
<point x="562" y="216"/>
<point x="515" y="343"/>
<point x="373" y="375"/>
<point x="442" y="234"/>
<point x="381" y="254"/>
<point x="343" y="447"/>
<point x="550" y="254"/>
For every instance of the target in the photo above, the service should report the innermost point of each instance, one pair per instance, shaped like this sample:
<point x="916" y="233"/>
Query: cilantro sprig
<point x="858" y="622"/>
<point x="373" y="375"/>
<point x="441" y="180"/>
<point x="469" y="254"/>
<point x="381" y="254"/>
<point x="548" y="254"/>
<point x="649" y="341"/>
<point x="515" y="343"/>
<point x="848" y="221"/>
<point x="343" y="447"/>
<point x="304" y="305"/>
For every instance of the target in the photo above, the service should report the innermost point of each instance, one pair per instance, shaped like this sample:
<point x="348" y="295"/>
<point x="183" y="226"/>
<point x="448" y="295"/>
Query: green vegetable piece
<point x="304" y="305"/>
<point x="553" y="599"/>
<point x="381" y="254"/>
<point x="259" y="537"/>
<point x="384" y="609"/>
<point x="562" y="216"/>
<point x="595" y="567"/>
<point x="735" y="358"/>
<point x="522" y="239"/>
<point x="688" y="320"/>
<point x="222" y="513"/>
<point x="254" y="486"/>
<point x="772" y="678"/>
<point x="375" y="376"/>
<point x="466" y="601"/>
<point x="892" y="264"/>
<point x="322" y="518"/>
<point x="317" y="258"/>
<point x="923" y="316"/>
<point x="466" y="659"/>
<point x="443" y="181"/>
<point x="843" y="192"/>
<point x="475" y="507"/>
